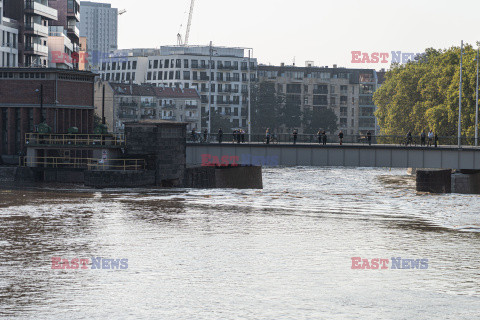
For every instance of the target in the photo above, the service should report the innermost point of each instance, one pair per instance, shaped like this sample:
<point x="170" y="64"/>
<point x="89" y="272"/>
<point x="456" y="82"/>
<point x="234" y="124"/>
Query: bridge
<point x="360" y="155"/>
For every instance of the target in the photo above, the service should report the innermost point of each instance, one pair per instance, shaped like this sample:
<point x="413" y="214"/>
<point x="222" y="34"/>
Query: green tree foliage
<point x="423" y="95"/>
<point x="290" y="113"/>
<point x="322" y="119"/>
<point x="220" y="121"/>
<point x="265" y="106"/>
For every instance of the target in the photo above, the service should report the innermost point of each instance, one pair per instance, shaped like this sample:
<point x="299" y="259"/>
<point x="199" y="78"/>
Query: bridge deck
<point x="352" y="155"/>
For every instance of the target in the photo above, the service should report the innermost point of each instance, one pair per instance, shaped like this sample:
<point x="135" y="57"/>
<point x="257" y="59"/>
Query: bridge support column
<point x="434" y="181"/>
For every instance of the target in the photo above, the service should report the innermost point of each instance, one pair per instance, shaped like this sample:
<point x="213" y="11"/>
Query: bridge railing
<point x="34" y="139"/>
<point x="83" y="163"/>
<point x="287" y="138"/>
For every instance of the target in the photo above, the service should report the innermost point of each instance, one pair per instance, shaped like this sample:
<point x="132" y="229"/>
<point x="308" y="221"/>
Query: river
<point x="284" y="252"/>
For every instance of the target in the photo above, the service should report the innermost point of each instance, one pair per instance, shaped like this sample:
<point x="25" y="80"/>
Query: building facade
<point x="30" y="96"/>
<point x="224" y="83"/>
<point x="134" y="102"/>
<point x="99" y="24"/>
<point x="348" y="92"/>
<point x="33" y="17"/>
<point x="64" y="29"/>
<point x="8" y="40"/>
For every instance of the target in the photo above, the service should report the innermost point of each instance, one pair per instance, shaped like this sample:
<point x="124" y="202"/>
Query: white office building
<point x="99" y="24"/>
<point x="188" y="67"/>
<point x="8" y="40"/>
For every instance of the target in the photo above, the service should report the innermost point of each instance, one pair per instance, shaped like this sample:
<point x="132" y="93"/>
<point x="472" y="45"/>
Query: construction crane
<point x="180" y="41"/>
<point x="121" y="12"/>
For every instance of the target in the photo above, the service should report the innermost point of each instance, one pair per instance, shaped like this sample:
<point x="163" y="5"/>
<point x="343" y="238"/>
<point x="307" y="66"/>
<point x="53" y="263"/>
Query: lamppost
<point x="41" y="103"/>
<point x="476" y="106"/>
<point x="460" y="100"/>
<point x="250" y="53"/>
<point x="210" y="90"/>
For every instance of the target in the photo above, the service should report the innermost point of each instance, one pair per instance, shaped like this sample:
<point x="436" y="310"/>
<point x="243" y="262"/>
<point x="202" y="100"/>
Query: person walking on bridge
<point x="430" y="138"/>
<point x="295" y="134"/>
<point x="324" y="138"/>
<point x="267" y="135"/>
<point x="320" y="136"/>
<point x="340" y="137"/>
<point x="220" y="135"/>
<point x="422" y="138"/>
<point x="369" y="137"/>
<point x="409" y="139"/>
<point x="205" y="135"/>
<point x="436" y="140"/>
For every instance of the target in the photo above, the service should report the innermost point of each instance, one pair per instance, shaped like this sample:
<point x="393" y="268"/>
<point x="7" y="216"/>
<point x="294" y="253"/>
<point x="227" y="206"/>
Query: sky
<point x="323" y="31"/>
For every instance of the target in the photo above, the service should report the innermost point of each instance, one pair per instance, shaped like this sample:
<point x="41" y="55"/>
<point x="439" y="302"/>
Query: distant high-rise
<point x="99" y="25"/>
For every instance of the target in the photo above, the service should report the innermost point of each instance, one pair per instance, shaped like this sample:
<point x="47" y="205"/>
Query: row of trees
<point x="274" y="111"/>
<point x="423" y="95"/>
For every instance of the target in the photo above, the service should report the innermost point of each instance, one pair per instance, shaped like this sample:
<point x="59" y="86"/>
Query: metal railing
<point x="34" y="139"/>
<point x="83" y="163"/>
<point x="288" y="138"/>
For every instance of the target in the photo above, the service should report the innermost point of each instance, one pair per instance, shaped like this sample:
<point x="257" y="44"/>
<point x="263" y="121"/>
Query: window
<point x="185" y="63"/>
<point x="343" y="122"/>
<point x="134" y="65"/>
<point x="155" y="64"/>
<point x="178" y="63"/>
<point x="186" y="75"/>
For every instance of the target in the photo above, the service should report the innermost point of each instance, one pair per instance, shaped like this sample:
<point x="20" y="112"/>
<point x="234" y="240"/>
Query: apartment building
<point x="64" y="29"/>
<point x="8" y="40"/>
<point x="348" y="92"/>
<point x="225" y="80"/>
<point x="99" y="24"/>
<point x="33" y="17"/>
<point x="132" y="102"/>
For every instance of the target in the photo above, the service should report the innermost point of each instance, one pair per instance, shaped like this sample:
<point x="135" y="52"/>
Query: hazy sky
<point x="323" y="31"/>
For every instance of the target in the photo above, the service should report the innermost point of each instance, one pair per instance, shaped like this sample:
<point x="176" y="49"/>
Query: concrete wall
<point x="249" y="177"/>
<point x="119" y="179"/>
<point x="164" y="143"/>
<point x="345" y="156"/>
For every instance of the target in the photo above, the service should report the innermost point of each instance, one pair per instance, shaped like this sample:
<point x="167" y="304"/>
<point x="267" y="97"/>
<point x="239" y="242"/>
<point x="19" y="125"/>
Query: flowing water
<point x="280" y="253"/>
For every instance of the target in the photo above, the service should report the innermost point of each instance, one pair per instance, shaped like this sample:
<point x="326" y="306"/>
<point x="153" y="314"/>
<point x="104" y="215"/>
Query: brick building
<point x="67" y="99"/>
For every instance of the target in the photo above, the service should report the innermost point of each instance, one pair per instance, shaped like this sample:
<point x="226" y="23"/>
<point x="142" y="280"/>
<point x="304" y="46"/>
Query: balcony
<point x="191" y="119"/>
<point x="73" y="31"/>
<point x="128" y="104"/>
<point x="149" y="105"/>
<point x="127" y="116"/>
<point x="169" y="106"/>
<point x="191" y="106"/>
<point x="319" y="91"/>
<point x="36" y="8"/>
<point x="36" y="29"/>
<point x="36" y="49"/>
<point x="171" y="118"/>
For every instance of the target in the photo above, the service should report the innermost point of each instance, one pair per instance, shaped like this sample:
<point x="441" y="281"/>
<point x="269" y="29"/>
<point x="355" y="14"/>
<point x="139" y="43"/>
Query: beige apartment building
<point x="132" y="102"/>
<point x="348" y="92"/>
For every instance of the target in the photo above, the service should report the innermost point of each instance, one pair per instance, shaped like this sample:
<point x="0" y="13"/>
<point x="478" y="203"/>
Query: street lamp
<point x="211" y="51"/>
<point x="41" y="103"/>
<point x="476" y="106"/>
<point x="460" y="100"/>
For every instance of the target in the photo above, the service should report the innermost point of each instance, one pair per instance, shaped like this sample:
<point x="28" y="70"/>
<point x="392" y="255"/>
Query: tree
<point x="322" y="119"/>
<point x="290" y="113"/>
<point x="423" y="95"/>
<point x="265" y="106"/>
<point x="219" y="121"/>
